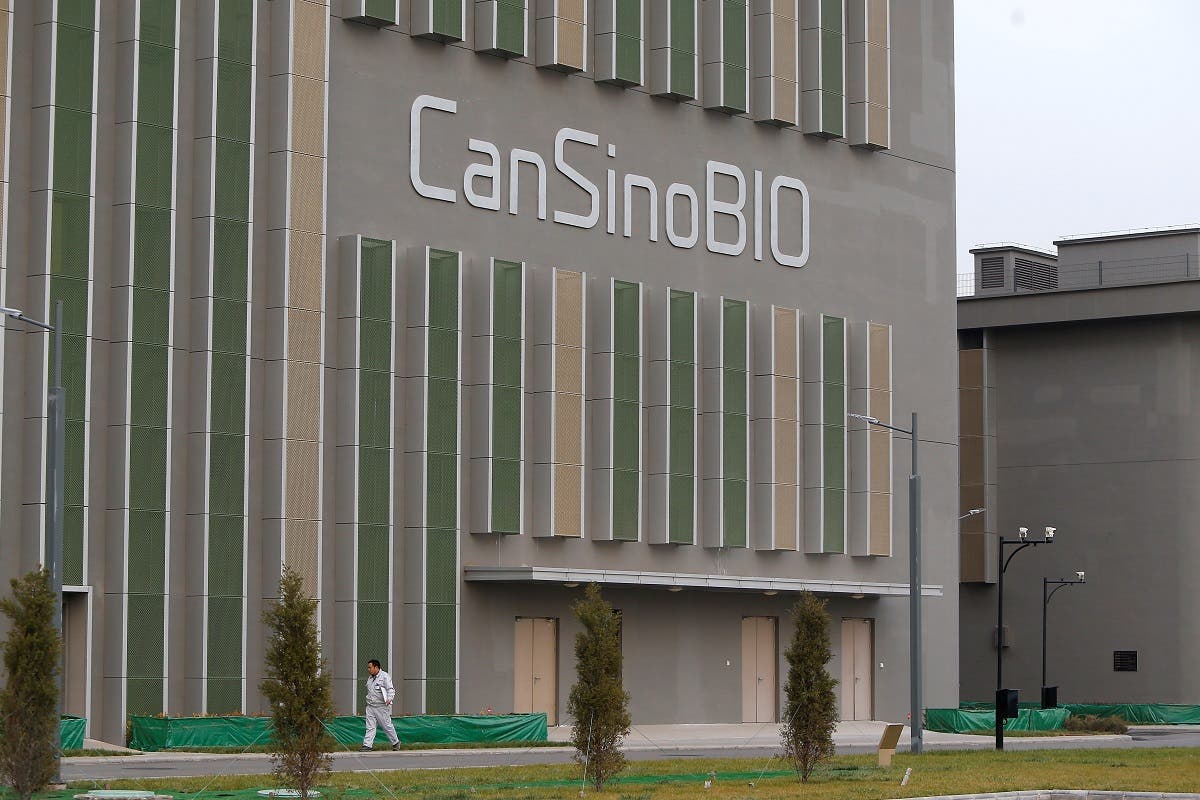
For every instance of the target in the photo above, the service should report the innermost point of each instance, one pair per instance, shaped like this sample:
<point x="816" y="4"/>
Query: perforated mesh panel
<point x="147" y="468"/>
<point x="441" y="565"/>
<point x="375" y="290"/>
<point x="626" y="317"/>
<point x="152" y="247"/>
<point x="568" y="500"/>
<point x="226" y="554"/>
<point x="835" y="456"/>
<point x="156" y="83"/>
<point x="231" y="248"/>
<point x="625" y="504"/>
<point x="443" y="289"/>
<point x="234" y="91"/>
<point x="147" y="551"/>
<point x="506" y="361"/>
<point x="443" y="353"/>
<point x="442" y="413"/>
<point x="143" y="696"/>
<point x="507" y="277"/>
<point x="303" y="401"/>
<point x="568" y="370"/>
<point x="568" y="428"/>
<point x="374" y="409"/>
<point x="301" y="541"/>
<point x="734" y="436"/>
<point x="374" y="484"/>
<point x="308" y="116"/>
<point x="835" y="520"/>
<point x="73" y="62"/>
<point x="440" y="650"/>
<point x="506" y="495"/>
<point x="785" y="517"/>
<point x="568" y="308"/>
<point x="373" y="574"/>
<point x="733" y="512"/>
<point x="227" y="394"/>
<point x="786" y="345"/>
<point x="375" y="345"/>
<point x="224" y="696"/>
<point x="227" y="473"/>
<point x="144" y="650"/>
<point x="305" y="270"/>
<point x="787" y="392"/>
<point x="232" y="197"/>
<point x="786" y="456"/>
<point x="682" y="507"/>
<point x="69" y="238"/>
<point x="626" y="434"/>
<point x="309" y="41"/>
<point x="225" y="637"/>
<point x="303" y="480"/>
<point x="442" y="491"/>
<point x="506" y="422"/>
<point x="155" y="165"/>
<point x="307" y="191"/>
<point x="235" y="29"/>
<point x="682" y="446"/>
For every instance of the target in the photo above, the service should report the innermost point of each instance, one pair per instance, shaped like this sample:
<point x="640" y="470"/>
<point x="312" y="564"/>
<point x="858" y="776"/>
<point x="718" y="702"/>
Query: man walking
<point x="380" y="693"/>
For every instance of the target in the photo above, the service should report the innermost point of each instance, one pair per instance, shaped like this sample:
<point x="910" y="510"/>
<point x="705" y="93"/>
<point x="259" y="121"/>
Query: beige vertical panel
<point x="868" y="74"/>
<point x="545" y="668"/>
<point x="296" y="306"/>
<point x="845" y="693"/>
<point x="523" y="666"/>
<point x="774" y="56"/>
<point x="749" y="669"/>
<point x="976" y="468"/>
<point x="567" y="404"/>
<point x="561" y="34"/>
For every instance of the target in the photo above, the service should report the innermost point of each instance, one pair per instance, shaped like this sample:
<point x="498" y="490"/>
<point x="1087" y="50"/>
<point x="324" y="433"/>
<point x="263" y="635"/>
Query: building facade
<point x="455" y="305"/>
<point x="1078" y="386"/>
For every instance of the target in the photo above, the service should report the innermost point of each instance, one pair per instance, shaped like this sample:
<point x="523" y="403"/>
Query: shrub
<point x="810" y="708"/>
<point x="598" y="704"/>
<point x="29" y="737"/>
<point x="1089" y="723"/>
<point x="297" y="687"/>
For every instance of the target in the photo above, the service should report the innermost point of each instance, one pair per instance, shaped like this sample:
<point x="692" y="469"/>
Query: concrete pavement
<point x="645" y="742"/>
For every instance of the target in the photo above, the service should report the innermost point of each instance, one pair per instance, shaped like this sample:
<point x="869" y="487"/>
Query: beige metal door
<point x="858" y="656"/>
<point x="758" y="669"/>
<point x="75" y="653"/>
<point x="535" y="667"/>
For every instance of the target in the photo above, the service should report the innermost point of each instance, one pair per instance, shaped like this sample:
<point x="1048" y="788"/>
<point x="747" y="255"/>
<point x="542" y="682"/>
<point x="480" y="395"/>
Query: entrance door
<point x="858" y="656"/>
<point x="758" y="669"/>
<point x="535" y="667"/>
<point x="75" y="653"/>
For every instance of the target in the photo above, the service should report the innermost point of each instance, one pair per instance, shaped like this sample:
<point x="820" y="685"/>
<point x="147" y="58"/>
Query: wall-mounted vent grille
<point x="991" y="272"/>
<point x="1125" y="660"/>
<point x="1034" y="276"/>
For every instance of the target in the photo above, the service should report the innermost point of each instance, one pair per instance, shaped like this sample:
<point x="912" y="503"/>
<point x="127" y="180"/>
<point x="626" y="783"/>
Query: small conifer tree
<point x="810" y="707"/>
<point x="297" y="685"/>
<point x="598" y="704"/>
<point x="29" y="735"/>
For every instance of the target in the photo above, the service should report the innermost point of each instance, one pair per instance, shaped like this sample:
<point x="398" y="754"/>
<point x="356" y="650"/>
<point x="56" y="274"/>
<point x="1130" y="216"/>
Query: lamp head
<point x="11" y="312"/>
<point x="1022" y="533"/>
<point x="1050" y="530"/>
<point x="1080" y="574"/>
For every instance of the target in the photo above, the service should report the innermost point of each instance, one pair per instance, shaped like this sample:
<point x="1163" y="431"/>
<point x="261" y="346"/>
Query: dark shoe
<point x="365" y="749"/>
<point x="396" y="746"/>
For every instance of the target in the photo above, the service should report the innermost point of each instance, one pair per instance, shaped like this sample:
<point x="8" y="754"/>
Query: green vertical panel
<point x="234" y="102"/>
<point x="835" y="520"/>
<point x="506" y="495"/>
<point x="626" y="317"/>
<point x="143" y="696"/>
<point x="629" y="18"/>
<point x="682" y="506"/>
<point x="734" y="34"/>
<point x="226" y="553"/>
<point x="374" y="547"/>
<point x="156" y="85"/>
<point x="447" y="18"/>
<point x="733" y="332"/>
<point x="372" y="641"/>
<point x="70" y="257"/>
<point x="628" y="58"/>
<point x="374" y="485"/>
<point x="225" y="637"/>
<point x="683" y="25"/>
<point x="375" y="290"/>
<point x="625" y="513"/>
<point x="683" y="73"/>
<point x="831" y="15"/>
<point x="382" y="9"/>
<point x="441" y="473"/>
<point x="734" y="433"/>
<point x="834" y="349"/>
<point x="235" y="31"/>
<point x="734" y="496"/>
<point x="147" y="538"/>
<point x="835" y="456"/>
<point x="507" y="391"/>
<point x="626" y="434"/>
<point x="510" y="27"/>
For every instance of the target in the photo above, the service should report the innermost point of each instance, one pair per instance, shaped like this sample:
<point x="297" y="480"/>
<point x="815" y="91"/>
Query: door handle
<point x="760" y="680"/>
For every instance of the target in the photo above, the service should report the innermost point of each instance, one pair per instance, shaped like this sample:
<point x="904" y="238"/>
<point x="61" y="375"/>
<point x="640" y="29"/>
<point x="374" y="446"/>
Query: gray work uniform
<point x="380" y="693"/>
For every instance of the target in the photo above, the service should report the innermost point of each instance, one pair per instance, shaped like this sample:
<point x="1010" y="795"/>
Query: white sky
<point x="1075" y="116"/>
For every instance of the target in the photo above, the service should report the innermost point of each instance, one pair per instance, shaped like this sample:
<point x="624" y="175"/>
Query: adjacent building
<point x="1079" y="375"/>
<point x="453" y="306"/>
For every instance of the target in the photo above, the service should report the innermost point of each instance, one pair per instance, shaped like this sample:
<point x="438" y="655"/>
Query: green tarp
<point x="967" y="720"/>
<point x="974" y="716"/>
<point x="174" y="733"/>
<point x="71" y="729"/>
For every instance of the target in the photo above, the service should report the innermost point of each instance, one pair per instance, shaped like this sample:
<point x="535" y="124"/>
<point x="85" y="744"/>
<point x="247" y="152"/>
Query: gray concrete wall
<point x="1096" y="434"/>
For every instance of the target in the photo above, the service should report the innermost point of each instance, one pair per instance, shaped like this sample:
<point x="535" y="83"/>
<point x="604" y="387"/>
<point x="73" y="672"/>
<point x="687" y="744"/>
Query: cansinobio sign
<point x="682" y="229"/>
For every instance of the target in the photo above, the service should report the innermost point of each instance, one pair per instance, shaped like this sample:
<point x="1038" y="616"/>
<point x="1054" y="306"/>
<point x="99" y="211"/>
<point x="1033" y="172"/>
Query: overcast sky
<point x="1075" y="116"/>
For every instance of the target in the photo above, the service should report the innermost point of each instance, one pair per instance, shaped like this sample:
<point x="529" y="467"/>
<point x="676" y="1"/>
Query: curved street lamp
<point x="1020" y="543"/>
<point x="1079" y="578"/>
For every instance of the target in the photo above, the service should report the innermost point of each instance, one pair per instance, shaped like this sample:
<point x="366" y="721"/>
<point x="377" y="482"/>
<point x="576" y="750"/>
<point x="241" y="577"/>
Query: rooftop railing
<point x="1093" y="275"/>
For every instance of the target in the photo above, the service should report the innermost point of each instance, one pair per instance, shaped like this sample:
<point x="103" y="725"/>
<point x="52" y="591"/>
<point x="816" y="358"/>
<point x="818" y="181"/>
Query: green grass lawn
<point x="847" y="778"/>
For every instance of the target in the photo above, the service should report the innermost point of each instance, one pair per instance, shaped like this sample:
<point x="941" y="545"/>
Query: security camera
<point x="1080" y="574"/>
<point x="1050" y="532"/>
<point x="1023" y="533"/>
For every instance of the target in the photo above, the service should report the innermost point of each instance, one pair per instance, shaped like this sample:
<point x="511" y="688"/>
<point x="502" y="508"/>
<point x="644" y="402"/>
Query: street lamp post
<point x="1080" y="577"/>
<point x="916" y="737"/>
<point x="1021" y="542"/>
<point x="55" y="415"/>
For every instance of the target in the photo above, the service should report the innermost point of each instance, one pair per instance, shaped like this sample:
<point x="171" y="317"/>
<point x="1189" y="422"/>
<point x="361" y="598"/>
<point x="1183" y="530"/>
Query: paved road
<point x="171" y="765"/>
